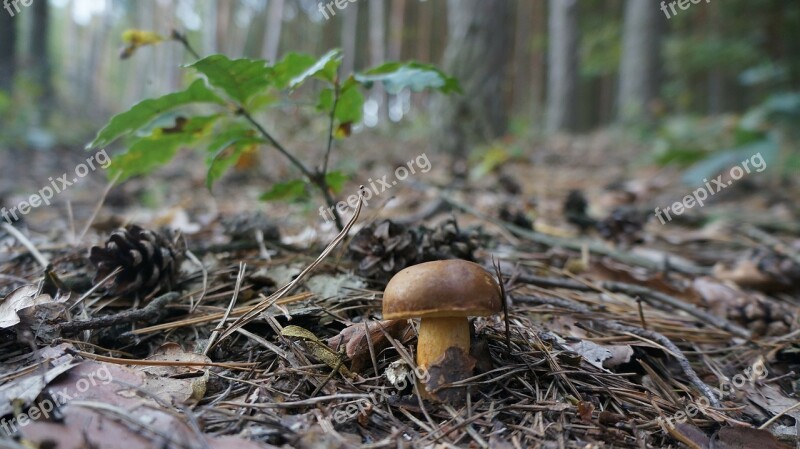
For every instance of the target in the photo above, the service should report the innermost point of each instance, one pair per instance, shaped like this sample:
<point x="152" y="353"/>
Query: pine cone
<point x="516" y="216"/>
<point x="449" y="242"/>
<point x="784" y="270"/>
<point x="624" y="225"/>
<point x="383" y="248"/>
<point x="762" y="316"/>
<point x="148" y="261"/>
<point x="575" y="210"/>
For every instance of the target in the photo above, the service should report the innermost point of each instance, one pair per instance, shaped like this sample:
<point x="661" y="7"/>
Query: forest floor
<point x="620" y="331"/>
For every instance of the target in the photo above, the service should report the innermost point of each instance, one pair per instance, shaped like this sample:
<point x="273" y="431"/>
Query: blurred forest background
<point x="61" y="57"/>
<point x="528" y="68"/>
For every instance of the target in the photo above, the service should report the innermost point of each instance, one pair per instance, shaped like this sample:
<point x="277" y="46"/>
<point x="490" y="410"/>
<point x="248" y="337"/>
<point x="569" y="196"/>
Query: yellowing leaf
<point x="134" y="39"/>
<point x="141" y="37"/>
<point x="318" y="349"/>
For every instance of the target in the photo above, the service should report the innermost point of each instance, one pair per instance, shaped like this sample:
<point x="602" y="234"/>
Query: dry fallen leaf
<point x="740" y="437"/>
<point x="20" y="299"/>
<point x="110" y="406"/>
<point x="354" y="340"/>
<point x="26" y="389"/>
<point x="585" y="410"/>
<point x="745" y="274"/>
<point x="453" y="366"/>
<point x="180" y="383"/>
<point x="317" y="348"/>
<point x="602" y="356"/>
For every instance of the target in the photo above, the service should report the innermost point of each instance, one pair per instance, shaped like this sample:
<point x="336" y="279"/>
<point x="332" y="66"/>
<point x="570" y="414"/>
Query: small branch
<point x="317" y="180"/>
<point x="148" y="313"/>
<point x="296" y="162"/>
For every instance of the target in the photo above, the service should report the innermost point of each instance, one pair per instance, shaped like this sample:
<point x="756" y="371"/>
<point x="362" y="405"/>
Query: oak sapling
<point x="235" y="90"/>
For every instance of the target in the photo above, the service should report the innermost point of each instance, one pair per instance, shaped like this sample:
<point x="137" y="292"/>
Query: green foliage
<point x="236" y="89"/>
<point x="350" y="103"/>
<point x="325" y="69"/>
<point x="240" y="79"/>
<point x="160" y="147"/>
<point x="148" y="110"/>
<point x="294" y="190"/>
<point x="336" y="180"/>
<point x="601" y="49"/>
<point x="722" y="160"/>
<point x="709" y="145"/>
<point x="225" y="149"/>
<point x="396" y="76"/>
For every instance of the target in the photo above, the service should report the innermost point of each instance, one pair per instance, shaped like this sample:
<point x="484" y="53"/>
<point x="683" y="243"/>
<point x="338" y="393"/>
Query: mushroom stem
<point x="438" y="334"/>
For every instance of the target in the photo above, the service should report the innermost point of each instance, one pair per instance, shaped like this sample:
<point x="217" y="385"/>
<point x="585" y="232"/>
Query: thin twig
<point x="95" y="287"/>
<point x="504" y="298"/>
<point x="277" y="145"/>
<point x="221" y="324"/>
<point x="774" y="243"/>
<point x="256" y="310"/>
<point x="317" y="180"/>
<point x="98" y="206"/>
<point x="27" y="244"/>
<point x="197" y="262"/>
<point x="149" y="312"/>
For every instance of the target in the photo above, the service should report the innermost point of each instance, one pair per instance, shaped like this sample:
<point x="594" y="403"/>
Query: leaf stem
<point x="180" y="37"/>
<point x="330" y="128"/>
<point x="316" y="179"/>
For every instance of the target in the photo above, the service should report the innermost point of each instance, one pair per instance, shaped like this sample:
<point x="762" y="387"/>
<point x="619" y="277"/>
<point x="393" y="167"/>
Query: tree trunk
<point x="40" y="52"/>
<point x="522" y="55"/>
<point x="8" y="40"/>
<point x="478" y="53"/>
<point x="396" y="22"/>
<point x="641" y="58"/>
<point x="563" y="66"/>
<point x="209" y="34"/>
<point x="377" y="55"/>
<point x="538" y="61"/>
<point x="272" y="35"/>
<point x="349" y="37"/>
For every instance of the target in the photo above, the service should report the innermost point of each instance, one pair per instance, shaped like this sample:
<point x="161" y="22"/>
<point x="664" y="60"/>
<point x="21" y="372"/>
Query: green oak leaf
<point x="336" y="180"/>
<point x="349" y="108"/>
<point x="146" y="111"/>
<point x="239" y="78"/>
<point x="148" y="153"/>
<point x="293" y="190"/>
<point x="396" y="76"/>
<point x="225" y="149"/>
<point x="325" y="68"/>
<point x="290" y="67"/>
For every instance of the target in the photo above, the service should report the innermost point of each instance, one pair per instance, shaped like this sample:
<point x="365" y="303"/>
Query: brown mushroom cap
<point x="443" y="288"/>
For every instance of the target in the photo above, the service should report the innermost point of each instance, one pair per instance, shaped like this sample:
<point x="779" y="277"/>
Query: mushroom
<point x="443" y="294"/>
